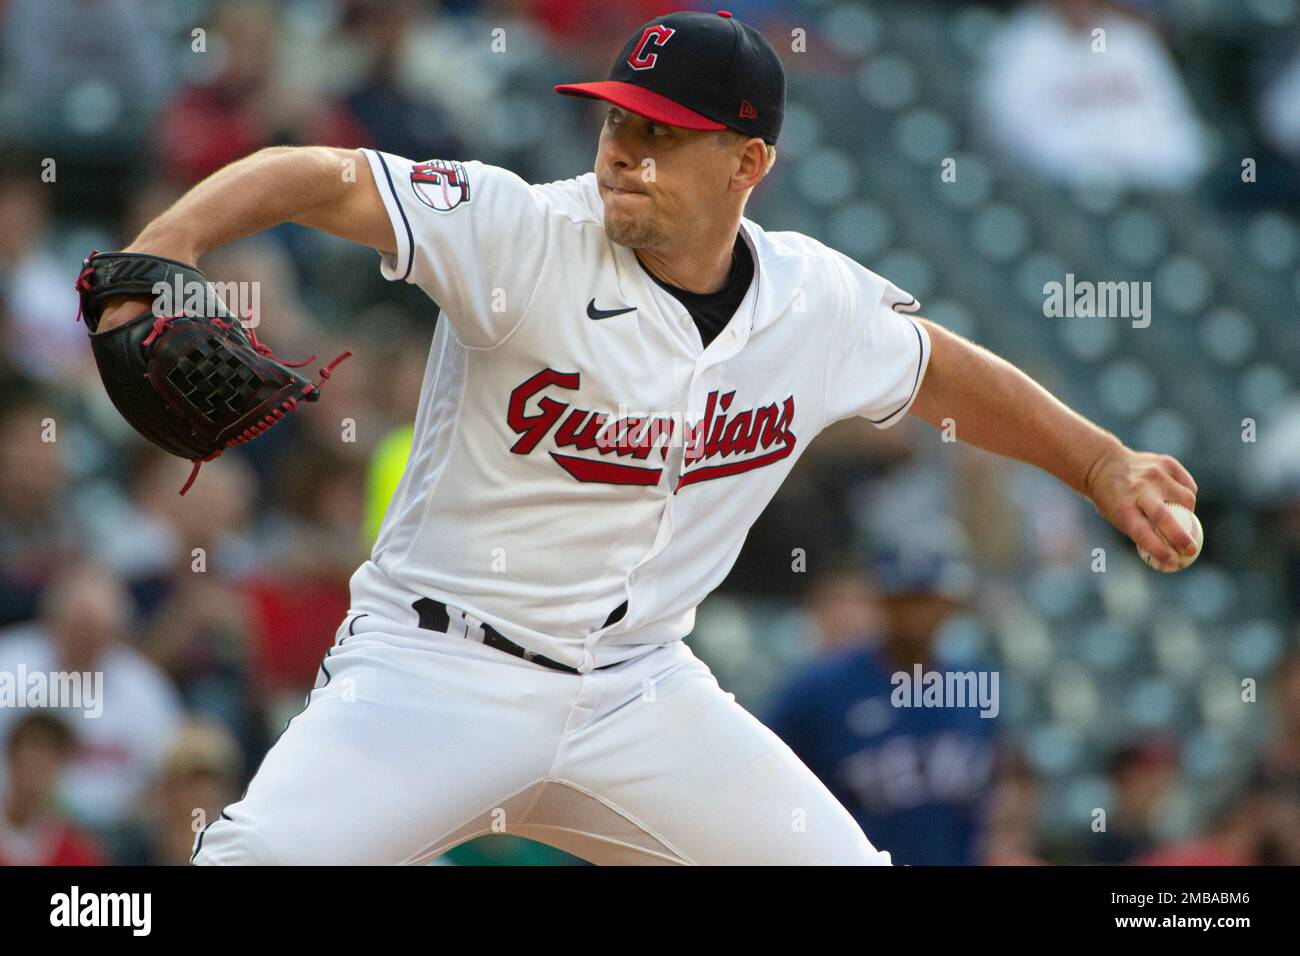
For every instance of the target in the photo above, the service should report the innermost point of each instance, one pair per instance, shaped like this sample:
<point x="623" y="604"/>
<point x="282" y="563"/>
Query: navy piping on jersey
<point x="410" y="239"/>
<point x="204" y="832"/>
<point x="920" y="354"/>
<point x="198" y="844"/>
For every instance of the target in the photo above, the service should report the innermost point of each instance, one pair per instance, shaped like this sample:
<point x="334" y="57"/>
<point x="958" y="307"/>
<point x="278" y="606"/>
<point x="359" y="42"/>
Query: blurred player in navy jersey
<point x="916" y="779"/>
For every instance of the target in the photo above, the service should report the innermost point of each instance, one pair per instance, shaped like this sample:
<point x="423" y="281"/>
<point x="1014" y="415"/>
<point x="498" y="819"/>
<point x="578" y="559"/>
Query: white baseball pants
<point x="413" y="742"/>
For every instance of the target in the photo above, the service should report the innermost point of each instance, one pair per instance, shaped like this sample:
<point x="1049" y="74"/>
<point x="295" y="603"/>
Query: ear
<point x="752" y="167"/>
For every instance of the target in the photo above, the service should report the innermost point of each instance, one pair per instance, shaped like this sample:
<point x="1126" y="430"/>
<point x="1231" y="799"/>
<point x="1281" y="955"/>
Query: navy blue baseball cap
<point x="915" y="569"/>
<point x="698" y="71"/>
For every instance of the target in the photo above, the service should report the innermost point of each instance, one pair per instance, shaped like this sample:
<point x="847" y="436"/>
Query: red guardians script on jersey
<point x="752" y="438"/>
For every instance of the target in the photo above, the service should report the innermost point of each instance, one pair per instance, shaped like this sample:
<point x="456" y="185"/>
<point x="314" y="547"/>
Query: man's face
<point x="201" y="789"/>
<point x="844" y="609"/>
<point x="916" y="618"/>
<point x="89" y="619"/>
<point x="659" y="183"/>
<point x="34" y="767"/>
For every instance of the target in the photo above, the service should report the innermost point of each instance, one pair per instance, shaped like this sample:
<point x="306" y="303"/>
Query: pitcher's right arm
<point x="318" y="186"/>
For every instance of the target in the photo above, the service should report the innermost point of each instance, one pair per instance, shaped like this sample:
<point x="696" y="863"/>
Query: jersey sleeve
<point x="472" y="236"/>
<point x="880" y="355"/>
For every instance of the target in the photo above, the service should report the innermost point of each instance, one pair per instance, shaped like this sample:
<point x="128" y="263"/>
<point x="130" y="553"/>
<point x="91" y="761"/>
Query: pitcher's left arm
<point x="997" y="407"/>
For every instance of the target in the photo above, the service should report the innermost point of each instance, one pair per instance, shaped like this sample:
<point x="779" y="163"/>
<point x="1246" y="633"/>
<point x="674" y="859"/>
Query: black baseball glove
<point x="196" y="381"/>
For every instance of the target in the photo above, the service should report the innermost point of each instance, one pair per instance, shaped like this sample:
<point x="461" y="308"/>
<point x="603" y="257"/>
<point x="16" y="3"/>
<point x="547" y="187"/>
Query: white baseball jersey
<point x="576" y="448"/>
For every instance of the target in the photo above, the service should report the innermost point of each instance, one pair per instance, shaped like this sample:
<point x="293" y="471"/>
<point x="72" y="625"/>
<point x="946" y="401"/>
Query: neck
<point x="702" y="267"/>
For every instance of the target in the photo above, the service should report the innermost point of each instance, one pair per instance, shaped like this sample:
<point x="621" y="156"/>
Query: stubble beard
<point x="634" y="233"/>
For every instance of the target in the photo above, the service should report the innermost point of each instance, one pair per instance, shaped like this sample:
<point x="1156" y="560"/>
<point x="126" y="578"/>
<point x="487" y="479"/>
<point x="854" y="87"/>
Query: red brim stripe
<point x="642" y="102"/>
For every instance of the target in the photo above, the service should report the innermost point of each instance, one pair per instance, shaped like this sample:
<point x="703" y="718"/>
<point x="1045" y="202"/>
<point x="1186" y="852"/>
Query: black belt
<point x="434" y="617"/>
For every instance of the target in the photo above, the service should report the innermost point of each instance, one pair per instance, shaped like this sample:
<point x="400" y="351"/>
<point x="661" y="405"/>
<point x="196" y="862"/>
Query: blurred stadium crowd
<point x="1172" y="157"/>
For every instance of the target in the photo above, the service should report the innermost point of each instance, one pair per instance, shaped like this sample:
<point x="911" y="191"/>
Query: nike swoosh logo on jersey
<point x="595" y="313"/>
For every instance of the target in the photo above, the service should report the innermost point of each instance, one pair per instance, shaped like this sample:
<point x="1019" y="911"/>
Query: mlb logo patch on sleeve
<point x="441" y="184"/>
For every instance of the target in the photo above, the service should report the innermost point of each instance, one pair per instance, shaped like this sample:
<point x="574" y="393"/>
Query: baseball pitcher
<point x="626" y="370"/>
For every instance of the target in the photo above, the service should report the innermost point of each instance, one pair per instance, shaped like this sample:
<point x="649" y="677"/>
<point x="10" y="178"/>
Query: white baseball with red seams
<point x="1188" y="521"/>
<point x="566" y="462"/>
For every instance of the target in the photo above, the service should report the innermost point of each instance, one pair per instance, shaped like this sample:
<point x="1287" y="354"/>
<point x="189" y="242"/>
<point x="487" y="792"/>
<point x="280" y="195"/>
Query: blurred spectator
<point x="300" y="596"/>
<point x="914" y="777"/>
<point x="213" y="522"/>
<point x="405" y="363"/>
<point x="198" y="624"/>
<point x="231" y="110"/>
<point x="1142" y="778"/>
<point x="198" y="780"/>
<point x="83" y="83"/>
<point x="32" y="830"/>
<point x="401" y="349"/>
<point x="322" y="512"/>
<point x="1049" y="100"/>
<point x="1280" y="767"/>
<point x="146" y="204"/>
<point x="38" y="529"/>
<point x="39" y="299"/>
<point x="203" y="638"/>
<point x="379" y="108"/>
<point x="1276" y="780"/>
<point x="1013" y="827"/>
<point x="843" y="608"/>
<point x="586" y="27"/>
<point x="238" y="612"/>
<point x="1270" y="478"/>
<point x="1279" y="830"/>
<point x="1231" y="839"/>
<point x="128" y="713"/>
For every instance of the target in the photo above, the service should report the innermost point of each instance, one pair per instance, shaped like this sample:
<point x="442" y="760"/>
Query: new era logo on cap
<point x="698" y="71"/>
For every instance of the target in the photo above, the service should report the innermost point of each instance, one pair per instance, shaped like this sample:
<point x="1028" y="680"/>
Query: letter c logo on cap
<point x="658" y="34"/>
